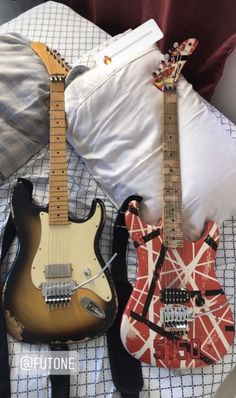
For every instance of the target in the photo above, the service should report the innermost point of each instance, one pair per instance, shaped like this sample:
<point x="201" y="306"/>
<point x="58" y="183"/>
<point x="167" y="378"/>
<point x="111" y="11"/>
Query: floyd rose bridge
<point x="176" y="319"/>
<point x="58" y="288"/>
<point x="175" y="316"/>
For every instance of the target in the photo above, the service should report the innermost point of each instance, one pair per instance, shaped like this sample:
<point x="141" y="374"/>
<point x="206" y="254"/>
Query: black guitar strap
<point x="5" y="390"/>
<point x="125" y="369"/>
<point x="60" y="383"/>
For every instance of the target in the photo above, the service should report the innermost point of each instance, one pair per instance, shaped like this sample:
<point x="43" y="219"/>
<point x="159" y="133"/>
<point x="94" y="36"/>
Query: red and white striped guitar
<point x="177" y="315"/>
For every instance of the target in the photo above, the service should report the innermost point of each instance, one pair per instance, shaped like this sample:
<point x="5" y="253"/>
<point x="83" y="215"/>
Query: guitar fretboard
<point x="172" y="194"/>
<point x="58" y="190"/>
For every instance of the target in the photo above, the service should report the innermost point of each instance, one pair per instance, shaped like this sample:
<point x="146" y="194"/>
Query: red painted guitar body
<point x="178" y="315"/>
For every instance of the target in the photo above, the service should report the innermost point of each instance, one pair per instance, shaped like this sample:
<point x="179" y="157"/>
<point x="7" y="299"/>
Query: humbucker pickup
<point x="57" y="271"/>
<point x="174" y="296"/>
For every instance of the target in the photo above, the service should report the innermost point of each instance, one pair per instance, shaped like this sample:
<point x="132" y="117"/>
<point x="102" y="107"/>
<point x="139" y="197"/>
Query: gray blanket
<point x="24" y="116"/>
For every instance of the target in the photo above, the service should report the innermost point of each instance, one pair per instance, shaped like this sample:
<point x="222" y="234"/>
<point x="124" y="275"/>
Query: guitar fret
<point x="57" y="166"/>
<point x="171" y="198"/>
<point x="172" y="234"/>
<point x="59" y="157"/>
<point x="58" y="123"/>
<point x="57" y="145"/>
<point x="171" y="171"/>
<point x="173" y="220"/>
<point x="61" y="195"/>
<point x="59" y="208"/>
<point x="58" y="222"/>
<point x="170" y="162"/>
<point x="57" y="130"/>
<point x="170" y="150"/>
<point x="174" y="186"/>
<point x="55" y="117"/>
<point x="57" y="172"/>
<point x="56" y="213"/>
<point x="57" y="181"/>
<point x="57" y="138"/>
<point x="58" y="106"/>
<point x="55" y="186"/>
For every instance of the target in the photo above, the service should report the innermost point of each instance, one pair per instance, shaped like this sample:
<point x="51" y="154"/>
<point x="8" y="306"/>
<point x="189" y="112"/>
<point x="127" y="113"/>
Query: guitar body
<point x="177" y="315"/>
<point x="38" y="317"/>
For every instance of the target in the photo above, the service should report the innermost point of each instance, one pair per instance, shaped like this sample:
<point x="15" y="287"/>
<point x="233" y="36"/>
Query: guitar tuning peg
<point x="166" y="57"/>
<point x="175" y="45"/>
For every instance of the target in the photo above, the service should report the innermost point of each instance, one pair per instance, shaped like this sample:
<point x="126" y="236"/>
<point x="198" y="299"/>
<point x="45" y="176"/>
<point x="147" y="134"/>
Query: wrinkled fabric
<point x="114" y="123"/>
<point x="24" y="111"/>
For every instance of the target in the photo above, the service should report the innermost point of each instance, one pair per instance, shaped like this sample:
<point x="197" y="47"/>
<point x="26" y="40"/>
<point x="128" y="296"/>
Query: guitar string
<point x="171" y="207"/>
<point x="50" y="259"/>
<point x="169" y="109"/>
<point x="57" y="248"/>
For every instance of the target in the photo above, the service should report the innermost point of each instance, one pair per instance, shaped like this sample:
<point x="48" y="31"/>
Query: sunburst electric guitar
<point x="56" y="289"/>
<point x="178" y="315"/>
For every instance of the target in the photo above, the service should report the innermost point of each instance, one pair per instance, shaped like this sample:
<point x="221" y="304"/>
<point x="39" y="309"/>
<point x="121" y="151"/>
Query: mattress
<point x="73" y="36"/>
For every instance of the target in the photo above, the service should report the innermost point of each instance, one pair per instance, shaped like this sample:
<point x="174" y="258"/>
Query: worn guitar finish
<point x="28" y="316"/>
<point x="56" y="290"/>
<point x="178" y="315"/>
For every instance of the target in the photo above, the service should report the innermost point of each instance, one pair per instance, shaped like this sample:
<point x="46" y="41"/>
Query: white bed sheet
<point x="73" y="36"/>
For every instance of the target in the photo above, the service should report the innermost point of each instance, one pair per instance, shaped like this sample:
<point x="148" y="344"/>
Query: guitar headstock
<point x="170" y="67"/>
<point x="56" y="66"/>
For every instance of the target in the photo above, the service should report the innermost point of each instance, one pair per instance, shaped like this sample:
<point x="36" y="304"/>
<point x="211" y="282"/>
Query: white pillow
<point x="114" y="124"/>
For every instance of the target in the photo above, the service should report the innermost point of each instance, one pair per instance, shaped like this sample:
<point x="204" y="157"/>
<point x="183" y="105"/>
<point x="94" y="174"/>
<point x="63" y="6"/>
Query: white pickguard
<point x="71" y="244"/>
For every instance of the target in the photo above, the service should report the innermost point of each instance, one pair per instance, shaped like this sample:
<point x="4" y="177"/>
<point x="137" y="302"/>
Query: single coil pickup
<point x="174" y="296"/>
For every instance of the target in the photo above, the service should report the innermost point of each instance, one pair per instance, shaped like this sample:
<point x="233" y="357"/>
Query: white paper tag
<point x="130" y="45"/>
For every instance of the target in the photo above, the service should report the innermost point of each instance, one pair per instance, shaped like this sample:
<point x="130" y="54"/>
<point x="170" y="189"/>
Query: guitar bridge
<point x="176" y="319"/>
<point x="57" y="294"/>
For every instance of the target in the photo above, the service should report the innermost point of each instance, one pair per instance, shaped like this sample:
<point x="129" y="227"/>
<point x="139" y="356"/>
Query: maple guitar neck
<point x="172" y="193"/>
<point x="58" y="190"/>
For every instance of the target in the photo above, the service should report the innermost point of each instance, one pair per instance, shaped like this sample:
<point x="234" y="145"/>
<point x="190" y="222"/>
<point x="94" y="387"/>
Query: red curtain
<point x="212" y="22"/>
